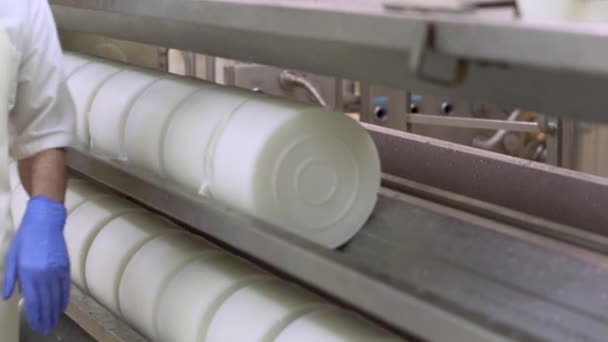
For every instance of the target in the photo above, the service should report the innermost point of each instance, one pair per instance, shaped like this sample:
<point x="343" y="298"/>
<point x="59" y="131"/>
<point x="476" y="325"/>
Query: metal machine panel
<point x="143" y="55"/>
<point x="468" y="58"/>
<point x="266" y="79"/>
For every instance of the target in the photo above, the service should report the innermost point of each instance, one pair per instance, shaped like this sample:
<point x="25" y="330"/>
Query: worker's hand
<point x="38" y="259"/>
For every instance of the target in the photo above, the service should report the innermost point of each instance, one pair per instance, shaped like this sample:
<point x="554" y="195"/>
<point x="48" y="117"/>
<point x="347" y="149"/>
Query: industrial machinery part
<point x="267" y="79"/>
<point x="493" y="141"/>
<point x="498" y="54"/>
<point x="134" y="53"/>
<point x="454" y="121"/>
<point x="489" y="124"/>
<point x="176" y="287"/>
<point x="290" y="79"/>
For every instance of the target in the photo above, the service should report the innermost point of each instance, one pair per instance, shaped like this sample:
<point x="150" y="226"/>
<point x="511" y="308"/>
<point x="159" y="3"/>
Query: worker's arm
<point x="41" y="125"/>
<point x="44" y="174"/>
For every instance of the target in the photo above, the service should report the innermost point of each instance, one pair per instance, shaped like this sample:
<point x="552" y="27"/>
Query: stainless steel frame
<point x="475" y="123"/>
<point x="558" y="195"/>
<point x="457" y="55"/>
<point x="97" y="321"/>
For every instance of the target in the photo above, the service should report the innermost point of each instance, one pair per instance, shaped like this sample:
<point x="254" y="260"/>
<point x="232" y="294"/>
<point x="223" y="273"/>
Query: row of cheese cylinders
<point x="173" y="286"/>
<point x="570" y="10"/>
<point x="313" y="172"/>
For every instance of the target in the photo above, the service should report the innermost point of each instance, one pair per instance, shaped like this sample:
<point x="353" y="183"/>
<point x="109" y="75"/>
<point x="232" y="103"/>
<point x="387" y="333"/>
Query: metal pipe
<point x="492" y="142"/>
<point x="289" y="79"/>
<point x="434" y="120"/>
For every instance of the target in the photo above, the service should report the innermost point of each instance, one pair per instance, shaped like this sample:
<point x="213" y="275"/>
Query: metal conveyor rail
<point x="425" y="269"/>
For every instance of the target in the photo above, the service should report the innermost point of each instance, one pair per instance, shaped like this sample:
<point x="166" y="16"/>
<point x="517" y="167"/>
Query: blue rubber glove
<point x="38" y="259"/>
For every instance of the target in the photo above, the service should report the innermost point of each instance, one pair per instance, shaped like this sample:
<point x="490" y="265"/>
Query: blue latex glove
<point x="38" y="259"/>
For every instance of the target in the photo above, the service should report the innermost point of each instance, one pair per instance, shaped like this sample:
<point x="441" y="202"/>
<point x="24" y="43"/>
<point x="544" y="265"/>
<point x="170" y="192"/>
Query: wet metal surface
<point x="526" y="287"/>
<point x="558" y="195"/>
<point x="67" y="331"/>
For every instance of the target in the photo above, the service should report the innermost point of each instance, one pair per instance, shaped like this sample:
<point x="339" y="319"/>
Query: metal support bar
<point x="461" y="122"/>
<point x="562" y="65"/>
<point x="290" y="79"/>
<point x="98" y="322"/>
<point x="563" y="196"/>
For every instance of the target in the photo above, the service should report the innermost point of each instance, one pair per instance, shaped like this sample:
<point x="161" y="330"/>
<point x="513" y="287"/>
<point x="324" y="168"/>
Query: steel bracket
<point x="429" y="65"/>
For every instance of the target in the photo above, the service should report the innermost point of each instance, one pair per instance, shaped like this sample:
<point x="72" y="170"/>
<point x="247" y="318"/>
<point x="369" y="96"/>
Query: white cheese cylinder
<point x="313" y="172"/>
<point x="195" y="294"/>
<point x="148" y="273"/>
<point x="84" y="84"/>
<point x="302" y="168"/>
<point x="78" y="191"/>
<point x="148" y="120"/>
<point x="114" y="247"/>
<point x="310" y="171"/>
<point x="260" y="311"/>
<point x="111" y="107"/>
<point x="332" y="324"/>
<point x="191" y="129"/>
<point x="73" y="62"/>
<point x="83" y="225"/>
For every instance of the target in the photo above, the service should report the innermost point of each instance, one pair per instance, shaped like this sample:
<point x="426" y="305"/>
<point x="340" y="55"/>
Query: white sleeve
<point x="43" y="116"/>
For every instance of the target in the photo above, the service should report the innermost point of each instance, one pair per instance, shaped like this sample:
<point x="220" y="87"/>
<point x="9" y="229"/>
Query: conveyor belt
<point x="439" y="273"/>
<point x="516" y="283"/>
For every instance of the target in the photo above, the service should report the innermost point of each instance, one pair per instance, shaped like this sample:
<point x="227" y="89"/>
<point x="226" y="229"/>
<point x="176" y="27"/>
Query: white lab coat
<point x="36" y="110"/>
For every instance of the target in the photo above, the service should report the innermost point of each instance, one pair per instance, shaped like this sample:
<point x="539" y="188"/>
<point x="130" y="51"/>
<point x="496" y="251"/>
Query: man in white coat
<point x="36" y="123"/>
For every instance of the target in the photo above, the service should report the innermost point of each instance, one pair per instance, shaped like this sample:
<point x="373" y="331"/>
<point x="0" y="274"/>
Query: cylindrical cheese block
<point x="110" y="108"/>
<point x="78" y="191"/>
<point x="310" y="171"/>
<point x="114" y="247"/>
<point x="313" y="172"/>
<point x="73" y="62"/>
<point x="149" y="272"/>
<point x="260" y="311"/>
<point x="332" y="324"/>
<point x="190" y="132"/>
<point x="19" y="201"/>
<point x="303" y="168"/>
<point x="195" y="294"/>
<point x="84" y="85"/>
<point x="83" y="225"/>
<point x="147" y="122"/>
